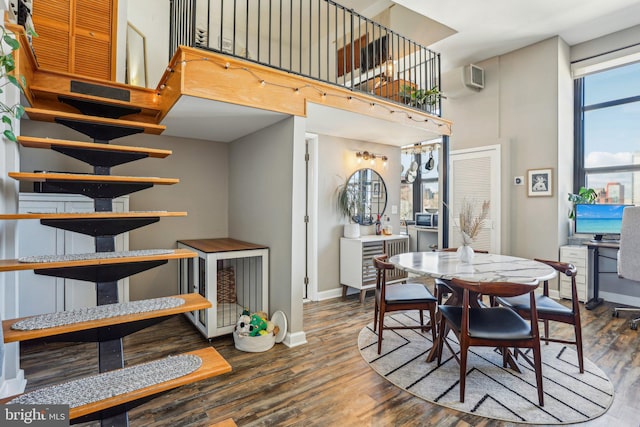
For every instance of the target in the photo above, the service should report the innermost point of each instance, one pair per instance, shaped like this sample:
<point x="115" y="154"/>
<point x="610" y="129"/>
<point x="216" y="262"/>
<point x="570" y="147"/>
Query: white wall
<point x="11" y="376"/>
<point x="264" y="193"/>
<point x="337" y="161"/>
<point x="151" y="17"/>
<point x="202" y="192"/>
<point x="524" y="107"/>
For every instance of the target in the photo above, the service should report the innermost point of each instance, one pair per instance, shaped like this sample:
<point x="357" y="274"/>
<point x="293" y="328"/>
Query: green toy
<point x="257" y="324"/>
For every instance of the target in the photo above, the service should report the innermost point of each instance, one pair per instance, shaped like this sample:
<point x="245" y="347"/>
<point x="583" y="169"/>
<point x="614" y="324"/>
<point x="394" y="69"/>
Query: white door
<point x="475" y="177"/>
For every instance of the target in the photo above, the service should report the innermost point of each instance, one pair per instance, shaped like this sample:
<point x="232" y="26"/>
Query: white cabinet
<point x="422" y="239"/>
<point x="356" y="265"/>
<point x="578" y="256"/>
<point x="41" y="294"/>
<point x="232" y="274"/>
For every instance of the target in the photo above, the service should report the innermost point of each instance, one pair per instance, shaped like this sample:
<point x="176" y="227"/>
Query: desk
<point x="595" y="247"/>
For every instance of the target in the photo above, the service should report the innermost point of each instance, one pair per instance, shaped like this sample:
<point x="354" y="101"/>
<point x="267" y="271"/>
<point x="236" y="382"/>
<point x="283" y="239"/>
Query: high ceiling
<point x="482" y="29"/>
<point x="493" y="27"/>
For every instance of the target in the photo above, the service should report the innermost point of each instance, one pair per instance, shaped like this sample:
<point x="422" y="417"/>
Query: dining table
<point x="484" y="267"/>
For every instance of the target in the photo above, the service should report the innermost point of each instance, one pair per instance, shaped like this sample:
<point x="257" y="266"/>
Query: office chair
<point x="629" y="254"/>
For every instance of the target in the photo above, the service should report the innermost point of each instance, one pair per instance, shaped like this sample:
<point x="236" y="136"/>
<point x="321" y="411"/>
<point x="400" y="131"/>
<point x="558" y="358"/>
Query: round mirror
<point x="367" y="196"/>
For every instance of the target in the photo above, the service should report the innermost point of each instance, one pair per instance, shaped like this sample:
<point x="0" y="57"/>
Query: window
<point x="607" y="134"/>
<point x="423" y="193"/>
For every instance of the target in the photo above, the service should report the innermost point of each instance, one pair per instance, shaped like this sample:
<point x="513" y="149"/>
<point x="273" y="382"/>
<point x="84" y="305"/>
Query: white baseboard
<point x="13" y="386"/>
<point x="295" y="339"/>
<point x="620" y="299"/>
<point x="331" y="293"/>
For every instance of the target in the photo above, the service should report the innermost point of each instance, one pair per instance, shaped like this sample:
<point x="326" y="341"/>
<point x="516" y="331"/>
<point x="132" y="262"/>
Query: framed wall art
<point x="540" y="182"/>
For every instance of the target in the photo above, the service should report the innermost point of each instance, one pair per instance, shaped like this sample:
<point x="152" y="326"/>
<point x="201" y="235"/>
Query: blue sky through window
<point x="612" y="134"/>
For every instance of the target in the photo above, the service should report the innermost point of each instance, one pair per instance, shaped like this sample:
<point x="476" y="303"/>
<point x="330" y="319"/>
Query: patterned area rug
<point x="491" y="391"/>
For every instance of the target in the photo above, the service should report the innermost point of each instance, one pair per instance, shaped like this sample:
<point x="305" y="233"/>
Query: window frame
<point x="580" y="171"/>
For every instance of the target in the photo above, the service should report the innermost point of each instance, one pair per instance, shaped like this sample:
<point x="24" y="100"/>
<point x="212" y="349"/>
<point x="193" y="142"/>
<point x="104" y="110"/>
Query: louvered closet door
<point x="475" y="176"/>
<point x="52" y="21"/>
<point x="93" y="41"/>
<point x="76" y="36"/>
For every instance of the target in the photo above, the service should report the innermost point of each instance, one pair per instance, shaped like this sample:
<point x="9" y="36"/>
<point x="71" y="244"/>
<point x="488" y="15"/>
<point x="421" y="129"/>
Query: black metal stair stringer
<point x="92" y="189"/>
<point x="99" y="108"/>
<point x="106" y="333"/>
<point x="101" y="273"/>
<point x="100" y="131"/>
<point x="97" y="157"/>
<point x="100" y="226"/>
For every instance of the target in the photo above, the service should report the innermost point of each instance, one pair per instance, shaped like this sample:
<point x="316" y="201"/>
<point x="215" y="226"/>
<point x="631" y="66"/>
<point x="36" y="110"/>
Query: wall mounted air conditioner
<point x="474" y="77"/>
<point x="462" y="81"/>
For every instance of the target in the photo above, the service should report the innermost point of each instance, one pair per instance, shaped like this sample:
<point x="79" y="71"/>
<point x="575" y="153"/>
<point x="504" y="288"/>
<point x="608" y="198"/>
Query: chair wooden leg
<point x="578" y="331"/>
<point x="537" y="359"/>
<point x="375" y="316"/>
<point x="422" y="321"/>
<point x="380" y="327"/>
<point x="442" y="335"/>
<point x="432" y="320"/>
<point x="463" y="368"/>
<point x="546" y="332"/>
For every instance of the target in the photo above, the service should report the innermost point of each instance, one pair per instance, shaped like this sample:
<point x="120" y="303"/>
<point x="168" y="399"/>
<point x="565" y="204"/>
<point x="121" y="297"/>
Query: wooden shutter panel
<point x="51" y="19"/>
<point x="76" y="36"/>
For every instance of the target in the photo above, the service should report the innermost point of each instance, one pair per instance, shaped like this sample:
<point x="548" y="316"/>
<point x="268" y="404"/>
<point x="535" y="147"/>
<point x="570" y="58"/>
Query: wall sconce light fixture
<point x="368" y="156"/>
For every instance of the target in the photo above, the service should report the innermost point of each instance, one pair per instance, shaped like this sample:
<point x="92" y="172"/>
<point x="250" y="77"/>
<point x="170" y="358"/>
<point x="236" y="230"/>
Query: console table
<point x="356" y="261"/>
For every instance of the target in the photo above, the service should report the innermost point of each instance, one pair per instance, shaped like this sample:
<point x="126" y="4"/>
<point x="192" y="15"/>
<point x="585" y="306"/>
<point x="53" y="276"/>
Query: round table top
<point x="483" y="267"/>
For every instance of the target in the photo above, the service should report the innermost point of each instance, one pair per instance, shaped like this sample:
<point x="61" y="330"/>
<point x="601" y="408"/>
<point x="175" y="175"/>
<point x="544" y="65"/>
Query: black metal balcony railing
<point x="319" y="39"/>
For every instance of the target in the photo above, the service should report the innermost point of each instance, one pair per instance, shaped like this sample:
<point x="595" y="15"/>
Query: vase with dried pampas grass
<point x="471" y="222"/>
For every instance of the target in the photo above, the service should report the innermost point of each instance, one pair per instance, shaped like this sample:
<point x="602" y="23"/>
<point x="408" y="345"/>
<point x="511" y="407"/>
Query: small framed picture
<point x="540" y="182"/>
<point x="376" y="189"/>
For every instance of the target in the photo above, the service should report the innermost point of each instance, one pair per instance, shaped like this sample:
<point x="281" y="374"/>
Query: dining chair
<point x="400" y="297"/>
<point x="496" y="326"/>
<point x="442" y="287"/>
<point x="549" y="309"/>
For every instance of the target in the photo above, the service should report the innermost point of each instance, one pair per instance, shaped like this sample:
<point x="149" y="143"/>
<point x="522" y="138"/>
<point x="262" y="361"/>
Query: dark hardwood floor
<point x="323" y="383"/>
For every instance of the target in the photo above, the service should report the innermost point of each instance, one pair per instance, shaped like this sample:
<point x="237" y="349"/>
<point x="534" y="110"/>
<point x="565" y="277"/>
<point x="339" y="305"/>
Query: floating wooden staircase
<point x="99" y="112"/>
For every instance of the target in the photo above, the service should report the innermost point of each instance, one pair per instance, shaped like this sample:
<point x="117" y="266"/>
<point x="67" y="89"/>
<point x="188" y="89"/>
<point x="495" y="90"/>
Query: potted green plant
<point x="7" y="66"/>
<point x="420" y="97"/>
<point x="585" y="196"/>
<point x="347" y="203"/>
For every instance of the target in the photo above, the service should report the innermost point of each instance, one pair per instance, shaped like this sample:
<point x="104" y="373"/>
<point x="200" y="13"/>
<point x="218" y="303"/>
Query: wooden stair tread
<point x="15" y="265"/>
<point x="91" y="215"/>
<point x="34" y="142"/>
<point x="80" y="177"/>
<point x="43" y="93"/>
<point x="51" y="115"/>
<point x="192" y="302"/>
<point x="213" y="364"/>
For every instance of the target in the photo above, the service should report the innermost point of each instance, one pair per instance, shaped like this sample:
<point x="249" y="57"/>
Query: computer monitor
<point x="599" y="220"/>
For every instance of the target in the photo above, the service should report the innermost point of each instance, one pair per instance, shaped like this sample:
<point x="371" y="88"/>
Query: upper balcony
<point x="346" y="74"/>
<point x="318" y="39"/>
